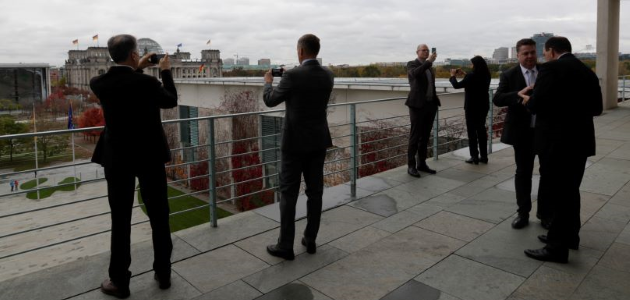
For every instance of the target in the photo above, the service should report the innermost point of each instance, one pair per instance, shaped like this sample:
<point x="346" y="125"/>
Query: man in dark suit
<point x="518" y="131"/>
<point x="565" y="99"/>
<point x="423" y="104"/>
<point x="305" y="90"/>
<point x="132" y="145"/>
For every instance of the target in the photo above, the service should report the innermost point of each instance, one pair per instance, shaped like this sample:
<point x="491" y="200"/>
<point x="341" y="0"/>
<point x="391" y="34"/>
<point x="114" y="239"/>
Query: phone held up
<point x="433" y="50"/>
<point x="277" y="72"/>
<point x="155" y="58"/>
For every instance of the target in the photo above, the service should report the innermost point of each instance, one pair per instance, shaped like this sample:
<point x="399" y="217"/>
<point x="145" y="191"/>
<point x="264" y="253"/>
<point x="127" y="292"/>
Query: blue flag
<point x="179" y="45"/>
<point x="70" y="125"/>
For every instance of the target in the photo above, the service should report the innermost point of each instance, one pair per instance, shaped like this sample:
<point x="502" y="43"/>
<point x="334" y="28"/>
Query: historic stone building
<point x="82" y="65"/>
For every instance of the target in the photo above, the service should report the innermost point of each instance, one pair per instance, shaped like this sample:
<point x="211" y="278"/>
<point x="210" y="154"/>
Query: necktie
<point x="531" y="74"/>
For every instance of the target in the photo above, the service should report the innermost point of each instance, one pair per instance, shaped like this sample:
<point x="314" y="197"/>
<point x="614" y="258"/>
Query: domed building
<point x="82" y="65"/>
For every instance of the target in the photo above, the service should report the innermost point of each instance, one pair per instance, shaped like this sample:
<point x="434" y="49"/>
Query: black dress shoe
<point x="413" y="172"/>
<point x="543" y="238"/>
<point x="483" y="160"/>
<point x="282" y="253"/>
<point x="164" y="282"/>
<point x="109" y="288"/>
<point x="472" y="160"/>
<point x="520" y="222"/>
<point x="425" y="168"/>
<point x="546" y="255"/>
<point x="310" y="247"/>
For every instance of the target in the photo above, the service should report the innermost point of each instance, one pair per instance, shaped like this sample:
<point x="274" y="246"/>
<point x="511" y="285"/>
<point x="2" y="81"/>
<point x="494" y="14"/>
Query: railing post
<point x="212" y="171"/>
<point x="436" y="128"/>
<point x="354" y="151"/>
<point x="490" y="120"/>
<point x="623" y="91"/>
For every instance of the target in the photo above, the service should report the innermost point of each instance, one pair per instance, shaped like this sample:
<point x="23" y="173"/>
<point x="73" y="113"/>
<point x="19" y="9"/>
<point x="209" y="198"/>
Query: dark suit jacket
<point x="305" y="90"/>
<point x="418" y="84"/>
<point x="518" y="119"/>
<point x="476" y="91"/>
<point x="566" y="97"/>
<point x="131" y="104"/>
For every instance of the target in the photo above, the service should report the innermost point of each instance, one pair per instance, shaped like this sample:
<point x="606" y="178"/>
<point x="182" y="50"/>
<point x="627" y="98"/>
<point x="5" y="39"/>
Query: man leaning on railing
<point x="132" y="145"/>
<point x="305" y="90"/>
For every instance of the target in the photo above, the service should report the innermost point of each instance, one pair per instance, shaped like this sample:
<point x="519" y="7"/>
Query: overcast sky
<point x="351" y="31"/>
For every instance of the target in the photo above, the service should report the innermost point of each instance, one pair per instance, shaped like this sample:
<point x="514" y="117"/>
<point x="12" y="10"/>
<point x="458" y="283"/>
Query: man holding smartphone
<point x="423" y="104"/>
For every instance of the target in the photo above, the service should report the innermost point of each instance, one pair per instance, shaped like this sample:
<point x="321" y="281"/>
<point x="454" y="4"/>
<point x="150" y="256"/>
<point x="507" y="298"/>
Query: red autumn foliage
<point x="91" y="118"/>
<point x="375" y="158"/>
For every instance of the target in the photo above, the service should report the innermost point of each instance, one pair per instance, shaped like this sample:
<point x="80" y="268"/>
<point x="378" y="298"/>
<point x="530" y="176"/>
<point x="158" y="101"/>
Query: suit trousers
<point x="421" y="124"/>
<point x="477" y="135"/>
<point x="565" y="170"/>
<point x="121" y="184"/>
<point x="293" y="166"/>
<point x="524" y="155"/>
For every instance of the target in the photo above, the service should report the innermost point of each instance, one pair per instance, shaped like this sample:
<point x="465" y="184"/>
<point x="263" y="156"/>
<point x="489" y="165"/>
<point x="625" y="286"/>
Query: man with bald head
<point x="423" y="104"/>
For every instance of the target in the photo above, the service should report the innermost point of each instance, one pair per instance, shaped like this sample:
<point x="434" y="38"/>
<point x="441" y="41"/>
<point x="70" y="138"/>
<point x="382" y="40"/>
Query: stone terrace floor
<point x="444" y="236"/>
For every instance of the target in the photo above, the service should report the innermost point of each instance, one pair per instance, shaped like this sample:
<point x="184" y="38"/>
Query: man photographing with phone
<point x="133" y="144"/>
<point x="305" y="90"/>
<point x="423" y="104"/>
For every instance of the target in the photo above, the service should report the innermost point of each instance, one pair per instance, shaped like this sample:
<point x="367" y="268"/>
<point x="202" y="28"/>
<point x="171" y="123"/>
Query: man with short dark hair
<point x="305" y="90"/>
<point x="132" y="145"/>
<point x="518" y="131"/>
<point x="565" y="99"/>
<point x="423" y="104"/>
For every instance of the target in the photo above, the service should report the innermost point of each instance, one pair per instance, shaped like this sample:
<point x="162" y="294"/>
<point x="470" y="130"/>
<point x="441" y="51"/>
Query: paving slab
<point x="219" y="267"/>
<point x="617" y="258"/>
<point x="581" y="262"/>
<point x="455" y="226"/>
<point x="446" y="200"/>
<point x="334" y="224"/>
<point x="606" y="177"/>
<point x="502" y="248"/>
<point x="382" y="205"/>
<point x="600" y="233"/>
<point x="547" y="283"/>
<point x="492" y="205"/>
<point x="590" y="204"/>
<point x="359" y="239"/>
<point x="229" y="230"/>
<point x="402" y="220"/>
<point x="373" y="272"/>
<point x="145" y="287"/>
<point x="404" y="200"/>
<point x="468" y="279"/>
<point x="604" y="284"/>
<point x="430" y="186"/>
<point x="414" y="290"/>
<point x="237" y="290"/>
<point x="375" y="184"/>
<point x="622" y="197"/>
<point x="296" y="290"/>
<point x="614" y="212"/>
<point x="481" y="184"/>
<point x="624" y="236"/>
<point x="461" y="175"/>
<point x="288" y="271"/>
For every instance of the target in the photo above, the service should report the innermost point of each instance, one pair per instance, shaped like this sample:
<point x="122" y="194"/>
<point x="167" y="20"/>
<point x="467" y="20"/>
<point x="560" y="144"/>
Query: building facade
<point x="83" y="65"/>
<point x="264" y="62"/>
<point x="541" y="39"/>
<point x="500" y="53"/>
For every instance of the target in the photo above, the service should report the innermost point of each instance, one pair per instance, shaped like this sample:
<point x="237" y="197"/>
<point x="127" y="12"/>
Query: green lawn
<point x="46" y="192"/>
<point x="191" y="218"/>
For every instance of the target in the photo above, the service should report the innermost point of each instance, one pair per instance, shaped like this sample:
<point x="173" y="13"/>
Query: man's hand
<point x="453" y="72"/>
<point x="432" y="57"/>
<point x="165" y="63"/>
<point x="144" y="61"/>
<point x="268" y="77"/>
<point x="523" y="94"/>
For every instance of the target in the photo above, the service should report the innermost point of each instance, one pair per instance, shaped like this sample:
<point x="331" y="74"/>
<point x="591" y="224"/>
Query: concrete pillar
<point x="608" y="50"/>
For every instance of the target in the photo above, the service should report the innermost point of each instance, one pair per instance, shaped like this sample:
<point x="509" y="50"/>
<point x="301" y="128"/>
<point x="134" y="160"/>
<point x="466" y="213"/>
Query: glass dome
<point x="146" y="45"/>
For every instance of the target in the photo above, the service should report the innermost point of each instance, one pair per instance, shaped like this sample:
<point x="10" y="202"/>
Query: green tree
<point x="371" y="71"/>
<point x="8" y="126"/>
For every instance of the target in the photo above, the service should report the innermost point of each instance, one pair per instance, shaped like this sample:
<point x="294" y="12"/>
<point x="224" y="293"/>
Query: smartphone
<point x="277" y="72"/>
<point x="433" y="50"/>
<point x="155" y="58"/>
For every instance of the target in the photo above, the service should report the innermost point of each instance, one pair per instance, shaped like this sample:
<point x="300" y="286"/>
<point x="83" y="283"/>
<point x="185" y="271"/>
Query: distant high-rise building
<point x="242" y="61"/>
<point x="264" y="62"/>
<point x="228" y="61"/>
<point x="500" y="53"/>
<point x="541" y="39"/>
<point x="513" y="53"/>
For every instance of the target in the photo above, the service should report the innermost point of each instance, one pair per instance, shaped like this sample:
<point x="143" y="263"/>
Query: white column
<point x="608" y="50"/>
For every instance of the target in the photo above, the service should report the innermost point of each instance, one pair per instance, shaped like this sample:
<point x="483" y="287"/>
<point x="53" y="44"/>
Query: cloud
<point x="351" y="31"/>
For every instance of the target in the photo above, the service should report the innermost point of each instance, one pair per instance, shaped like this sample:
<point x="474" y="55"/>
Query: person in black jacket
<point x="132" y="145"/>
<point x="476" y="105"/>
<point x="565" y="99"/>
<point x="305" y="90"/>
<point x="423" y="104"/>
<point x="518" y="131"/>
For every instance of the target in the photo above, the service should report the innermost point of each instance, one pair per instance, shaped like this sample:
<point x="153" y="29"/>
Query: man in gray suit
<point x="423" y="104"/>
<point x="305" y="90"/>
